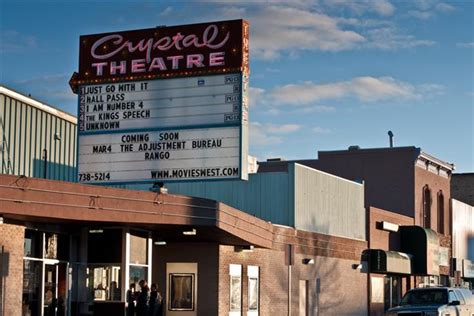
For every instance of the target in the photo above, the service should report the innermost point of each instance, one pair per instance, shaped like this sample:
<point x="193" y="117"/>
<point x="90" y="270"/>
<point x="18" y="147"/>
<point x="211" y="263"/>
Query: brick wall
<point x="381" y="239"/>
<point x="462" y="187"/>
<point x="343" y="290"/>
<point x="436" y="184"/>
<point x="11" y="238"/>
<point x="273" y="279"/>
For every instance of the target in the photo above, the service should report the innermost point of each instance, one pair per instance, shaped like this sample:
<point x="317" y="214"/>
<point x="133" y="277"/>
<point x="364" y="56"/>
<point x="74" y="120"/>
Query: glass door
<point x="50" y="297"/>
<point x="55" y="289"/>
<point x="62" y="288"/>
<point x="392" y="291"/>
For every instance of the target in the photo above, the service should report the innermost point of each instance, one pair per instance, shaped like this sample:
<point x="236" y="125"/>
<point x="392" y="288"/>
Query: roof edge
<point x="38" y="104"/>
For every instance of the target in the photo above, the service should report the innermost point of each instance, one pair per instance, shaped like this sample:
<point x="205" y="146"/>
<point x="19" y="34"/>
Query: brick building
<point x="462" y="187"/>
<point x="407" y="194"/>
<point x="71" y="249"/>
<point x="77" y="248"/>
<point x="403" y="180"/>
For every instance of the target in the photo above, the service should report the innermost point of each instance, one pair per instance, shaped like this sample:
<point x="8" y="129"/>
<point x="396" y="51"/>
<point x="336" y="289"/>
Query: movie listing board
<point x="169" y="155"/>
<point x="183" y="102"/>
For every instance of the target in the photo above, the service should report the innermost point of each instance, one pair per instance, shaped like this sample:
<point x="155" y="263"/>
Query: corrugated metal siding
<point x="26" y="131"/>
<point x="463" y="227"/>
<point x="263" y="195"/>
<point x="327" y="204"/>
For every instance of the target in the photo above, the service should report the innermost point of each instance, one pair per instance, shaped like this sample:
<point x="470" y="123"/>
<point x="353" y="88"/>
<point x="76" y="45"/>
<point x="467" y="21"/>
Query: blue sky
<point x="325" y="74"/>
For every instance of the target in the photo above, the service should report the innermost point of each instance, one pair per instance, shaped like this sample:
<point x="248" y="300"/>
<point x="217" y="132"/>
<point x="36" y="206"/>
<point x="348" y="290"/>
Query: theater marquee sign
<point x="163" y="104"/>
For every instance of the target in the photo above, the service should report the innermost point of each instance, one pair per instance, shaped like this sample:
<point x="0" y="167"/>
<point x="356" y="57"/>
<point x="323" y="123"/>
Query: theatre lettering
<point x="199" y="48"/>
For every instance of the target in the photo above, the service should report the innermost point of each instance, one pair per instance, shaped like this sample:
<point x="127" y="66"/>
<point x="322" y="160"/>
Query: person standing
<point x="153" y="305"/>
<point x="143" y="299"/>
<point x="131" y="300"/>
<point x="155" y="301"/>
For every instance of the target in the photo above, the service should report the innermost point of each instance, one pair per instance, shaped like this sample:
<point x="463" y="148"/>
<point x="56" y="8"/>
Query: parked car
<point x="435" y="301"/>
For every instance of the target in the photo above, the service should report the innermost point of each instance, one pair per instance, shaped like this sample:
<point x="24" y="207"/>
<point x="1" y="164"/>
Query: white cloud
<point x="256" y="96"/>
<point x="422" y="15"/>
<point x="273" y="70"/>
<point x="277" y="30"/>
<point x="381" y="7"/>
<point x="431" y="89"/>
<point x="16" y="42"/>
<point x="465" y="45"/>
<point x="270" y="134"/>
<point x="318" y="109"/>
<point x="281" y="129"/>
<point x="366" y="89"/>
<point x="167" y="11"/>
<point x="426" y="9"/>
<point x="288" y="30"/>
<point x="444" y="7"/>
<point x="321" y="130"/>
<point x="388" y="38"/>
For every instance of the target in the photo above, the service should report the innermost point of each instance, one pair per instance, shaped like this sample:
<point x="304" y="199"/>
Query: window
<point x="56" y="246"/>
<point x="33" y="241"/>
<point x="440" y="212"/>
<point x="103" y="282"/>
<point x="139" y="258"/>
<point x="235" y="272"/>
<point x="138" y="249"/>
<point x="253" y="290"/>
<point x="377" y="289"/>
<point x="136" y="274"/>
<point x="253" y="294"/>
<point x="426" y="220"/>
<point x="452" y="297"/>
<point x="392" y="291"/>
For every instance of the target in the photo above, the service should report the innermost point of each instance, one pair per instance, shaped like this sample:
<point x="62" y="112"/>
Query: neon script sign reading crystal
<point x="109" y="46"/>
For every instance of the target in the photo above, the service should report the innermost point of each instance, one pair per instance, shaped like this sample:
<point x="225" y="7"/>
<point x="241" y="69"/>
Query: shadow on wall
<point x="332" y="290"/>
<point x="327" y="290"/>
<point x="53" y="171"/>
<point x="4" y="264"/>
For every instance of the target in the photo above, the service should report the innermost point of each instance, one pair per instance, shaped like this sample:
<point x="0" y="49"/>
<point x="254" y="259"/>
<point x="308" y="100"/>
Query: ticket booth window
<point x="104" y="254"/>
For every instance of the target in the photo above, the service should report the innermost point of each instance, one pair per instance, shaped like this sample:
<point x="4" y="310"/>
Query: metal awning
<point x="423" y="244"/>
<point x="384" y="261"/>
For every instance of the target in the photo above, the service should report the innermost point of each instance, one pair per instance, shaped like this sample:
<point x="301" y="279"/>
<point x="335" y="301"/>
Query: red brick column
<point x="11" y="268"/>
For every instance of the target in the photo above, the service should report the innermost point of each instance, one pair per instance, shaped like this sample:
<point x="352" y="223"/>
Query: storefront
<point x="106" y="259"/>
<point x="77" y="249"/>
<point x="464" y="272"/>
<point x="468" y="273"/>
<point x="389" y="272"/>
<point x="402" y="256"/>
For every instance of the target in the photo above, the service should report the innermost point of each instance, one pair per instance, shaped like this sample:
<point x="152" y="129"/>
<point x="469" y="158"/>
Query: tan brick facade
<point x="343" y="289"/>
<point x="11" y="239"/>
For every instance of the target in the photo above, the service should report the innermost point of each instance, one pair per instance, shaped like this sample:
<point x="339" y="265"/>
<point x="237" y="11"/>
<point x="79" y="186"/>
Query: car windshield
<point x="425" y="297"/>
